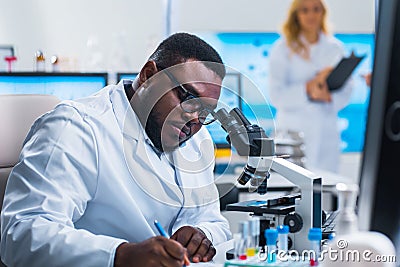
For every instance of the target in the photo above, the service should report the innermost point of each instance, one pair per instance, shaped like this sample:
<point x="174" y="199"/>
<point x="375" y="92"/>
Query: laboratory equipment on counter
<point x="271" y="235"/>
<point x="40" y="61"/>
<point x="299" y="213"/>
<point x="244" y="244"/>
<point x="283" y="231"/>
<point x="10" y="60"/>
<point x="55" y="63"/>
<point x="349" y="239"/>
<point x="255" y="236"/>
<point x="315" y="236"/>
<point x="249" y="140"/>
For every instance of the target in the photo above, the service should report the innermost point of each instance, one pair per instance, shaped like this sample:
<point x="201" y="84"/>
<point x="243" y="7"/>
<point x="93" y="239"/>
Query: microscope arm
<point x="310" y="205"/>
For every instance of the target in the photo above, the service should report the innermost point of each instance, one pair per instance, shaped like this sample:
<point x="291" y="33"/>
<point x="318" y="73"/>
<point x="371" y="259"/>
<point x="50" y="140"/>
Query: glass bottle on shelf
<point x="39" y="61"/>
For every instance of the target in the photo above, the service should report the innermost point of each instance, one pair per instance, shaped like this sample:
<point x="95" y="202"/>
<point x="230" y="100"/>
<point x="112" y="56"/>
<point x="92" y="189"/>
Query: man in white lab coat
<point x="95" y="173"/>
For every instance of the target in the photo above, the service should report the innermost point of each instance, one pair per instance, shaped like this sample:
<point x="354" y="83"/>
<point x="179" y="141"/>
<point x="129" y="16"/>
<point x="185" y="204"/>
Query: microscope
<point x="299" y="211"/>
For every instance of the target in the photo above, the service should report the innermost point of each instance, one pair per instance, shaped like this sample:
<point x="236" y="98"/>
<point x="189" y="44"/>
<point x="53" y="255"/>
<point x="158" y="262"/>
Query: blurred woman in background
<point x="300" y="62"/>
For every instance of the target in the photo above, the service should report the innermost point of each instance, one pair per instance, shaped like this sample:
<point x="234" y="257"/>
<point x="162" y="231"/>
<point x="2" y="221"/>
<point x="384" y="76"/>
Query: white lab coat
<point x="289" y="74"/>
<point x="88" y="180"/>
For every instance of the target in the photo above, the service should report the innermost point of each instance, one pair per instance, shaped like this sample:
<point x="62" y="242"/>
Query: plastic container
<point x="271" y="236"/>
<point x="283" y="231"/>
<point x="352" y="247"/>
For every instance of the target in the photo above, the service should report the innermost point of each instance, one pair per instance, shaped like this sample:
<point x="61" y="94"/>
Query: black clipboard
<point x="342" y="72"/>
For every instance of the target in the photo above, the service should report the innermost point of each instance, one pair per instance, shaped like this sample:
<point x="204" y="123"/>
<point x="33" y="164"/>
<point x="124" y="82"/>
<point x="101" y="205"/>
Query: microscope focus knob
<point x="294" y="221"/>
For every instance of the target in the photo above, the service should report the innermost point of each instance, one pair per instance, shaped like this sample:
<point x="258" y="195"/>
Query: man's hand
<point x="198" y="246"/>
<point x="153" y="252"/>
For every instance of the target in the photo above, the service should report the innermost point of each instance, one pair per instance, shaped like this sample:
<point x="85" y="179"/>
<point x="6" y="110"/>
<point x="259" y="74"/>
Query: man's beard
<point x="153" y="131"/>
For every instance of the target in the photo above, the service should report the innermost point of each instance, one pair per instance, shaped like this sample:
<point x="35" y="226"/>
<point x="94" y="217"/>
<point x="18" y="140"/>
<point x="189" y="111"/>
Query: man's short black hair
<point x="180" y="47"/>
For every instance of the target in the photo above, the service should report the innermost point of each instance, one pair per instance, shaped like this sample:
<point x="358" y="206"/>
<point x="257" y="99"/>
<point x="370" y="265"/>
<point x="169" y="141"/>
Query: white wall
<point x="63" y="27"/>
<point x="264" y="15"/>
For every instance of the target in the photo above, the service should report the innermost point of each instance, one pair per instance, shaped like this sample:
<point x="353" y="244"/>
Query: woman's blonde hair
<point x="291" y="28"/>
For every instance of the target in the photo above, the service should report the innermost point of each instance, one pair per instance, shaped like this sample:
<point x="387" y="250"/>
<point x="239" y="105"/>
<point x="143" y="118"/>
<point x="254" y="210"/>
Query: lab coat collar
<point x="126" y="117"/>
<point x="128" y="121"/>
<point x="321" y="38"/>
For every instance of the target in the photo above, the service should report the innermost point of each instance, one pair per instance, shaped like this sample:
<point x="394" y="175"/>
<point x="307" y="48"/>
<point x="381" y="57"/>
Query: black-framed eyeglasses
<point x="191" y="103"/>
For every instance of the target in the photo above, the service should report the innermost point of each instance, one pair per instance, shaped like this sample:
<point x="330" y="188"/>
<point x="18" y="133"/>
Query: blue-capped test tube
<point x="271" y="236"/>
<point x="315" y="237"/>
<point x="283" y="231"/>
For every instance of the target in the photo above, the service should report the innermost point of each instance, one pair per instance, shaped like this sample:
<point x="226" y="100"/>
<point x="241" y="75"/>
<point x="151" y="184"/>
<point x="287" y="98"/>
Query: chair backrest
<point x="17" y="114"/>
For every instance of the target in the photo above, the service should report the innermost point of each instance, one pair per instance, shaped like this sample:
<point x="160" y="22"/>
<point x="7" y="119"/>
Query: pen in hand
<point x="164" y="234"/>
<point x="160" y="229"/>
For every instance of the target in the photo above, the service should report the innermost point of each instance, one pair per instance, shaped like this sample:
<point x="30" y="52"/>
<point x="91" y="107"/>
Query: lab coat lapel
<point x="142" y="164"/>
<point x="192" y="168"/>
<point x="147" y="177"/>
<point x="147" y="171"/>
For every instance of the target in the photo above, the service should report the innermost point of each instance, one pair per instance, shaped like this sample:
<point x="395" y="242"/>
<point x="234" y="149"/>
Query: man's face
<point x="168" y="125"/>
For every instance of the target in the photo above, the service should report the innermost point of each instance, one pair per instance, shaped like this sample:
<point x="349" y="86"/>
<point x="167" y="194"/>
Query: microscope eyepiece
<point x="249" y="140"/>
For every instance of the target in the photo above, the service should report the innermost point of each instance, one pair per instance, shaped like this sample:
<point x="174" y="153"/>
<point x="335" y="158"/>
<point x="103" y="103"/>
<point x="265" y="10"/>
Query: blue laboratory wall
<point x="248" y="53"/>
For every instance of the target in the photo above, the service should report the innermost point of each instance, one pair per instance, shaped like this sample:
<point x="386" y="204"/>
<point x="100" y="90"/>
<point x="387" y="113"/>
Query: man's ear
<point x="148" y="70"/>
